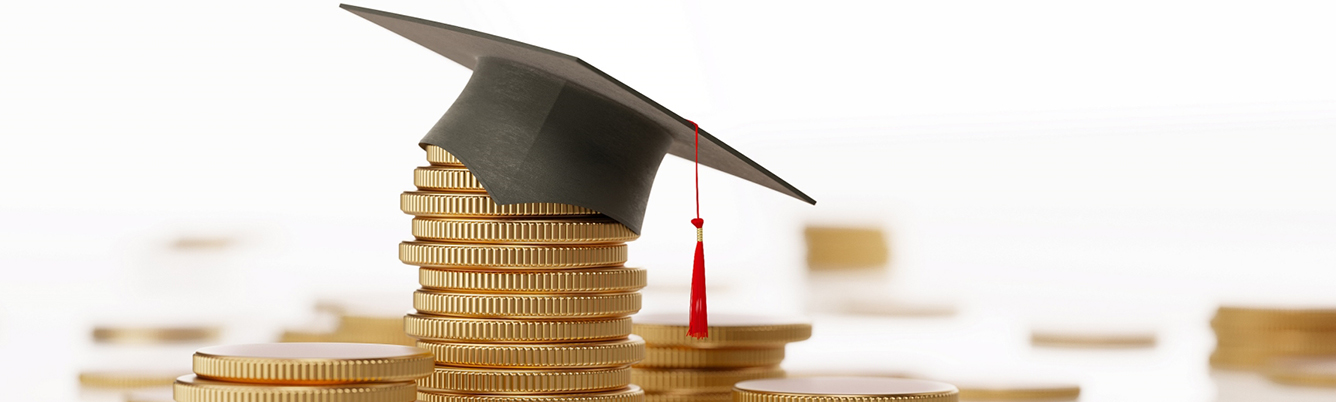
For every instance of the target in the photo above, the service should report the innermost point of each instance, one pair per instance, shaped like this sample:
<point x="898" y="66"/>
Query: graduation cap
<point x="538" y="126"/>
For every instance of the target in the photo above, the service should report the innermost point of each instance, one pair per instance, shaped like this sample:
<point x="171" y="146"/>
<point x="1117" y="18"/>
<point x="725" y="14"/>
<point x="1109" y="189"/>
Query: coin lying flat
<point x="631" y="393"/>
<point x="701" y="381"/>
<point x="1018" y="391"/>
<point x="1303" y="371"/>
<point x="523" y="231"/>
<point x="475" y="205"/>
<point x="684" y="357"/>
<point x="526" y="305"/>
<point x="715" y="397"/>
<point x="155" y="394"/>
<point x="519" y="331"/>
<point x="614" y="353"/>
<point x="1092" y="338"/>
<point x="152" y="335"/>
<point x="529" y="381"/>
<point x="461" y="255"/>
<point x="190" y="388"/>
<point x="129" y="378"/>
<point x="312" y="363"/>
<point x="440" y="157"/>
<point x="1275" y="318"/>
<point x="726" y="330"/>
<point x="446" y="178"/>
<point x="844" y="389"/>
<point x="588" y="280"/>
<point x="371" y="329"/>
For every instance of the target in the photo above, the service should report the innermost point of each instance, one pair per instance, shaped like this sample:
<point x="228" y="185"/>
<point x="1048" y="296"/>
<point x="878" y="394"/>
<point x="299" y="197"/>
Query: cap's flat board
<point x="466" y="47"/>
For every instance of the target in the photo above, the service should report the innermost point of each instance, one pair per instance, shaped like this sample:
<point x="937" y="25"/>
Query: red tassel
<point x="699" y="326"/>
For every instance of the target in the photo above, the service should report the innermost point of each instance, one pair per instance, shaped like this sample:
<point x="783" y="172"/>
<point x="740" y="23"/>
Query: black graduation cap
<point x="536" y="125"/>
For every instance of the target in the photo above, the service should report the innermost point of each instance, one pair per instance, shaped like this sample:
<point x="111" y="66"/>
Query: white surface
<point x="1030" y="160"/>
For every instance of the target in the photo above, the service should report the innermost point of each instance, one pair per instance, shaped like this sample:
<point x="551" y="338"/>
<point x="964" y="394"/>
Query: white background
<point x="1033" y="161"/>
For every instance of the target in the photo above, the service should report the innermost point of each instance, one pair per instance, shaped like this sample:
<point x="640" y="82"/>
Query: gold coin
<point x="312" y="363"/>
<point x="526" y="305"/>
<point x="1264" y="318"/>
<point x="844" y="389"/>
<point x="511" y="255"/>
<point x="726" y="330"/>
<point x="846" y="249"/>
<point x="193" y="389"/>
<point x="1087" y="339"/>
<point x="446" y="178"/>
<point x="1019" y="391"/>
<point x="684" y="357"/>
<point x="1322" y="342"/>
<point x="592" y="280"/>
<point x="631" y="393"/>
<point x="370" y="329"/>
<point x="518" y="331"/>
<point x="439" y="157"/>
<point x="525" y="231"/>
<point x="615" y="353"/>
<point x="1239" y="359"/>
<point x="700" y="381"/>
<point x="151" y="335"/>
<point x="718" y="397"/>
<point x="474" y="205"/>
<point x="1308" y="372"/>
<point x="1254" y="358"/>
<point x="129" y="378"/>
<point x="305" y="336"/>
<point x="511" y="381"/>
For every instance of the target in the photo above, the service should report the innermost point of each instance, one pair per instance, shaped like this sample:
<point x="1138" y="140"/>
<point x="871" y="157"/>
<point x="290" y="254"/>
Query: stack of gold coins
<point x="843" y="389"/>
<point x="521" y="302"/>
<point x="1248" y="338"/>
<point x="680" y="368"/>
<point x="306" y="372"/>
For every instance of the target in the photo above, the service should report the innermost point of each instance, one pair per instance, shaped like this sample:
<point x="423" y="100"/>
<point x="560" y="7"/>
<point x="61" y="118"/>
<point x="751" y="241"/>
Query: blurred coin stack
<point x="1249" y="338"/>
<point x="305" y="372"/>
<point x="521" y="302"/>
<point x="354" y="318"/>
<point x="680" y="368"/>
<point x="138" y="357"/>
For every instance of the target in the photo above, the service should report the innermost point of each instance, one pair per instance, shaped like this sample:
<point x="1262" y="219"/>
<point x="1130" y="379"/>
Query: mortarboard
<point x="538" y="126"/>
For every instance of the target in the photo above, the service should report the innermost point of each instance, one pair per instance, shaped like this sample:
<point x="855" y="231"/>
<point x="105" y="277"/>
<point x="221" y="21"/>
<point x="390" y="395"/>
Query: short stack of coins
<point x="1249" y="338"/>
<point x="304" y="372"/>
<point x="681" y="368"/>
<point x="520" y="302"/>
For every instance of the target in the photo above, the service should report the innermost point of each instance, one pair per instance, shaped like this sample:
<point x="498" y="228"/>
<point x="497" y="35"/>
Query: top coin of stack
<point x="522" y="302"/>
<point x="843" y="389"/>
<point x="678" y="367"/>
<point x="307" y="372"/>
<point x="1248" y="337"/>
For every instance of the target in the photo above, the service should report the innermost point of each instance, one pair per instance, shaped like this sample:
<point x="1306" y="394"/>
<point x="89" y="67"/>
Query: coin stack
<point x="521" y="302"/>
<point x="306" y="372"/>
<point x="1247" y="338"/>
<point x="680" y="368"/>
